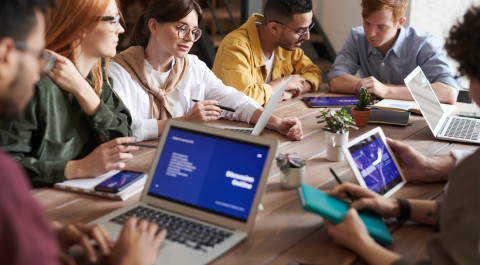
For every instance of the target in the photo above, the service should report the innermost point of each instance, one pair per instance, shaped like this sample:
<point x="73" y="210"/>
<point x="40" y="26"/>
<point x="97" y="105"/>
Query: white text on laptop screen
<point x="213" y="173"/>
<point x="426" y="99"/>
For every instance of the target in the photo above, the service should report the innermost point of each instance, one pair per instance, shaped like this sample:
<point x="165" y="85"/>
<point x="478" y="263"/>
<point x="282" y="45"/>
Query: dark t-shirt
<point x="26" y="236"/>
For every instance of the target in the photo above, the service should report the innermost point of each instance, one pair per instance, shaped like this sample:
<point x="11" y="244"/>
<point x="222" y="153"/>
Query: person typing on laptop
<point x="157" y="79"/>
<point x="458" y="214"/>
<point x="384" y="53"/>
<point x="26" y="237"/>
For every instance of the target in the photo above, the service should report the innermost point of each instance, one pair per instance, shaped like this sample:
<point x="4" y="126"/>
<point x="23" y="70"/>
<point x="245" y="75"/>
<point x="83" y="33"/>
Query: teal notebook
<point x="334" y="210"/>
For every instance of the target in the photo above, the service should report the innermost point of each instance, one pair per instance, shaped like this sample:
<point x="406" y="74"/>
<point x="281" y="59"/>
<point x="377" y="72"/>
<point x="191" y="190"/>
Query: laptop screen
<point x="209" y="172"/>
<point x="426" y="99"/>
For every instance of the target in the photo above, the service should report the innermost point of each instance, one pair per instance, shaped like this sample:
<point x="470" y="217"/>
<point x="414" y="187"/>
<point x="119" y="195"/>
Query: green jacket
<point x="55" y="130"/>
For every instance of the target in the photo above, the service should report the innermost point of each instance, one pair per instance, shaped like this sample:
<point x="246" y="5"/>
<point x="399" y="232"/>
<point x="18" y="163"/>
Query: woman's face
<point x="102" y="41"/>
<point x="167" y="36"/>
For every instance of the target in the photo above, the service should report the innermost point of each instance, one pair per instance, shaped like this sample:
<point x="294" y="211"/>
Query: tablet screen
<point x="331" y="101"/>
<point x="375" y="164"/>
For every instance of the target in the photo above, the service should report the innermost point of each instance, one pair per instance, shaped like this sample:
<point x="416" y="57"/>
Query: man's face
<point x="381" y="30"/>
<point x="289" y="38"/>
<point x="25" y="68"/>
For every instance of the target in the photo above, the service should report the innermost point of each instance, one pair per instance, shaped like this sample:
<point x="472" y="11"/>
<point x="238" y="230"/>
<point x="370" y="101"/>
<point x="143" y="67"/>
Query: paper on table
<point x="87" y="185"/>
<point x="407" y="105"/>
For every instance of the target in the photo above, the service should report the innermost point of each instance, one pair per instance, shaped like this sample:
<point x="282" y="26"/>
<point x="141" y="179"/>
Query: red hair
<point x="66" y="23"/>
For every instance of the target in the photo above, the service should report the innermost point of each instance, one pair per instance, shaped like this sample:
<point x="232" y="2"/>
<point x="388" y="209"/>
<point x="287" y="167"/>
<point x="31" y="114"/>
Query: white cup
<point x="292" y="178"/>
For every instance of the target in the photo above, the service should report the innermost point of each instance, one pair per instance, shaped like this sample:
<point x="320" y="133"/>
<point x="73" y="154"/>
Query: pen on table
<point x="220" y="106"/>
<point x="142" y="145"/>
<point x="340" y="182"/>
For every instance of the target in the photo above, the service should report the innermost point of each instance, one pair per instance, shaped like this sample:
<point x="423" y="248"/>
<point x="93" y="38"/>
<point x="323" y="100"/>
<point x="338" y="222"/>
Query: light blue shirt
<point x="411" y="49"/>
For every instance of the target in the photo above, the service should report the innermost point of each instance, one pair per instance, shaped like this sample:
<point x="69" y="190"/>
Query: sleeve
<point x="303" y="66"/>
<point x="346" y="61"/>
<point x="460" y="155"/>
<point x="20" y="139"/>
<point x="434" y="63"/>
<point x="235" y="71"/>
<point x="228" y="96"/>
<point x="143" y="128"/>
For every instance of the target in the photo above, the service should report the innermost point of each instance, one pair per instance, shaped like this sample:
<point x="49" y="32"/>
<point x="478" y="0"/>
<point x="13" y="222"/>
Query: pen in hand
<point x="340" y="182"/>
<point x="141" y="145"/>
<point x="220" y="106"/>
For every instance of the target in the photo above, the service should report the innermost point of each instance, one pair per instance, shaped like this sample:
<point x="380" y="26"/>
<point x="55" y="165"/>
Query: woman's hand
<point x="203" y="111"/>
<point x="138" y="243"/>
<point x="290" y="127"/>
<point x="66" y="75"/>
<point x="107" y="156"/>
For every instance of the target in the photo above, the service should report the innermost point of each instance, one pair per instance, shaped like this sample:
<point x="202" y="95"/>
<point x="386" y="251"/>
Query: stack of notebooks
<point x="406" y="105"/>
<point x="389" y="117"/>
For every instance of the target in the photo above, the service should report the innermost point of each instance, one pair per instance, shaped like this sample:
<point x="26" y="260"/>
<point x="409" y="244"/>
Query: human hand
<point x="373" y="86"/>
<point x="137" y="244"/>
<point x="286" y="95"/>
<point x="295" y="86"/>
<point x="66" y="75"/>
<point x="80" y="234"/>
<point x="351" y="232"/>
<point x="367" y="199"/>
<point x="203" y="111"/>
<point x="290" y="127"/>
<point x="107" y="156"/>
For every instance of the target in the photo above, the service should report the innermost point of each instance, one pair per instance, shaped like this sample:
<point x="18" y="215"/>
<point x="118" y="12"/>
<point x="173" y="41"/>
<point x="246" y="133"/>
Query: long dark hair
<point x="162" y="11"/>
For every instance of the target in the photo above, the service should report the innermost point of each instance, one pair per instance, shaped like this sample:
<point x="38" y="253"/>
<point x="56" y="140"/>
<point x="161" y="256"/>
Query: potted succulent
<point x="336" y="135"/>
<point x="361" y="113"/>
<point x="292" y="170"/>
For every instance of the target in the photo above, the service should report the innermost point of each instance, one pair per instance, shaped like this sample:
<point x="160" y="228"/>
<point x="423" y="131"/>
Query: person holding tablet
<point x="457" y="215"/>
<point x="157" y="79"/>
<point x="384" y="53"/>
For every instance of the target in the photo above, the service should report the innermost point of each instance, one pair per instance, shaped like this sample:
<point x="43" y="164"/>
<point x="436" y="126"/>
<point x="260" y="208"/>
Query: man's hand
<point x="373" y="86"/>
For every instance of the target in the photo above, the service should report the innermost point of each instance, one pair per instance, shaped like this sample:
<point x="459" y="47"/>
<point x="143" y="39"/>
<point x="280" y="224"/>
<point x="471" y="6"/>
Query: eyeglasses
<point x="184" y="30"/>
<point x="114" y="21"/>
<point x="299" y="31"/>
<point x="46" y="60"/>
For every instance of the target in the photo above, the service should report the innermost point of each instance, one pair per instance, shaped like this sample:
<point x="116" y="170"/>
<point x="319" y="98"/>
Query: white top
<point x="269" y="66"/>
<point x="198" y="82"/>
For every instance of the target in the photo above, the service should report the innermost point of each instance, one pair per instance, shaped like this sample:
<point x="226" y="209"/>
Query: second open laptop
<point x="266" y="114"/>
<point x="443" y="126"/>
<point x="200" y="190"/>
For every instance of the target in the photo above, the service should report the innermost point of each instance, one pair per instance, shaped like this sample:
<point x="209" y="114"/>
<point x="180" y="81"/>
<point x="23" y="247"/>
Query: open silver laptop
<point x="443" y="126"/>
<point x="266" y="114"/>
<point x="201" y="191"/>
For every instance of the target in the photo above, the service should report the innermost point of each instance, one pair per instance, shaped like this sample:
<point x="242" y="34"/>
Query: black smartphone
<point x="119" y="181"/>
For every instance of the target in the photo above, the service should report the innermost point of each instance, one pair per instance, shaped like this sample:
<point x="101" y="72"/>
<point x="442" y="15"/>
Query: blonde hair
<point x="71" y="19"/>
<point x="398" y="7"/>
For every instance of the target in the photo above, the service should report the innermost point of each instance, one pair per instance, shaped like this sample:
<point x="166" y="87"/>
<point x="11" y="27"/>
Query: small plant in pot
<point x="292" y="169"/>
<point x="336" y="135"/>
<point x="361" y="113"/>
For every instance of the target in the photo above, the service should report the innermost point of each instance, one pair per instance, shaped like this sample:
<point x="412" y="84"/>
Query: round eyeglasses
<point x="114" y="21"/>
<point x="184" y="31"/>
<point x="299" y="31"/>
<point x="46" y="61"/>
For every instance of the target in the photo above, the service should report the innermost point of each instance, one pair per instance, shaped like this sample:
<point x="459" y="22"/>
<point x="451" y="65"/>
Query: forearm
<point x="439" y="167"/>
<point x="424" y="212"/>
<point x="375" y="254"/>
<point x="87" y="98"/>
<point x="445" y="94"/>
<point x="397" y="92"/>
<point x="345" y="84"/>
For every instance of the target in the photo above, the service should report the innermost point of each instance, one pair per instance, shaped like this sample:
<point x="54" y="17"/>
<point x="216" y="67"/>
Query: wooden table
<point x="283" y="232"/>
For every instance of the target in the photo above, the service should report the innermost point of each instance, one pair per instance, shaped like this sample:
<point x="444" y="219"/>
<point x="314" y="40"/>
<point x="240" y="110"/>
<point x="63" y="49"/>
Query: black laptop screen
<point x="209" y="172"/>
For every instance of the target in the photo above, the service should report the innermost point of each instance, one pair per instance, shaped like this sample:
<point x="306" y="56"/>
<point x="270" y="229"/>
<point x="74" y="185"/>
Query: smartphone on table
<point x="119" y="181"/>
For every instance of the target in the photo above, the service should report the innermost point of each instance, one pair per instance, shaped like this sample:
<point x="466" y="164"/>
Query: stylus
<point x="340" y="182"/>
<point x="220" y="106"/>
<point x="142" y="145"/>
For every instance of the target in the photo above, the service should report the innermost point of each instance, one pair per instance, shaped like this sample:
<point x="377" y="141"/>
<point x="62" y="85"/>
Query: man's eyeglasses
<point x="184" y="30"/>
<point x="46" y="60"/>
<point x="114" y="21"/>
<point x="299" y="31"/>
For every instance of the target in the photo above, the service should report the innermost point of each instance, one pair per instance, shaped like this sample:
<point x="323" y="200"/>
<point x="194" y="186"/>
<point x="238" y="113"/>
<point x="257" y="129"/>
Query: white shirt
<point x="198" y="82"/>
<point x="269" y="66"/>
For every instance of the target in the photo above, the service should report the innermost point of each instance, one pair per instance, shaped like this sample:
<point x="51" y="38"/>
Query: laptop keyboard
<point x="240" y="130"/>
<point x="463" y="129"/>
<point x="189" y="233"/>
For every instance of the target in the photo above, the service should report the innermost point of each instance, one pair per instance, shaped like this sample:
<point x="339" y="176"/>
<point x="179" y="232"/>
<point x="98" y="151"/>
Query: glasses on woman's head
<point x="114" y="21"/>
<point x="184" y="31"/>
<point x="299" y="31"/>
<point x="46" y="61"/>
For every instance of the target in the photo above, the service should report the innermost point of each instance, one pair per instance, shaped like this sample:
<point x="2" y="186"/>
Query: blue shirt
<point x="411" y="49"/>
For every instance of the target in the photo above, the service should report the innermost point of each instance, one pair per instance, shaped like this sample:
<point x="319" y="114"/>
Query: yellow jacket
<point x="239" y="63"/>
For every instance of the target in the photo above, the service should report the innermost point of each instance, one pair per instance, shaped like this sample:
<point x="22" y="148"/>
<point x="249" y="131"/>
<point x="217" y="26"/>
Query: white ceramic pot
<point x="292" y="178"/>
<point x="334" y="142"/>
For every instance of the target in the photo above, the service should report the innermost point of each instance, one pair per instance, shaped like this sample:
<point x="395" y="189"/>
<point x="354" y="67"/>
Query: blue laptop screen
<point x="375" y="164"/>
<point x="209" y="172"/>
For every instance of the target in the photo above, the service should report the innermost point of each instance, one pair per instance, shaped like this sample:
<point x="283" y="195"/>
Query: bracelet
<point x="404" y="208"/>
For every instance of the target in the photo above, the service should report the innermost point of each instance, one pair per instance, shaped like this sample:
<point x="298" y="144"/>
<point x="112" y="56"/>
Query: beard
<point x="20" y="93"/>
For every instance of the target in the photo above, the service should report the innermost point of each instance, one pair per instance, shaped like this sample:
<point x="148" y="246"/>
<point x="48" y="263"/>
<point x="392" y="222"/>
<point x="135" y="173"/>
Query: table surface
<point x="283" y="232"/>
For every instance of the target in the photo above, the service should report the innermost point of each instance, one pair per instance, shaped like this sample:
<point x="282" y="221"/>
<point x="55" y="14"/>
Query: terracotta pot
<point x="361" y="116"/>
